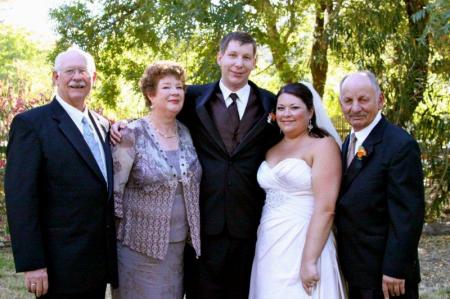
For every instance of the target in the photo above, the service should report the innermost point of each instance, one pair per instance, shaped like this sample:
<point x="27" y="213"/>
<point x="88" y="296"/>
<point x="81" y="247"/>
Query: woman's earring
<point x="310" y="126"/>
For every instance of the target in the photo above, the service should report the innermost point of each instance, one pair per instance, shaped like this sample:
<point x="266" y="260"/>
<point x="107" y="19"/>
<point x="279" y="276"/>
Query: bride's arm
<point x="326" y="179"/>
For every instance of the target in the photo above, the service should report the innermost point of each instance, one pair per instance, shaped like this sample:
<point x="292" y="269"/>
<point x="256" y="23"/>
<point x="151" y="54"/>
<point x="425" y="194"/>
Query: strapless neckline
<point x="285" y="160"/>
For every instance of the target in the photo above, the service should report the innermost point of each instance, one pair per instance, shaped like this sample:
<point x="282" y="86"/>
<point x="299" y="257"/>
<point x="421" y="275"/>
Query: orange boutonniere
<point x="271" y="118"/>
<point x="361" y="153"/>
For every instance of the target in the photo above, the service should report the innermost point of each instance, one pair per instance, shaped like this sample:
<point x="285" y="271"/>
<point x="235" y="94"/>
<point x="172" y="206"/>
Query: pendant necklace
<point x="167" y="136"/>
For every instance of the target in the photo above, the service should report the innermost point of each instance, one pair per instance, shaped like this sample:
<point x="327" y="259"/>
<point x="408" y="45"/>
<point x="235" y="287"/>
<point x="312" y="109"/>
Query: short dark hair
<point x="242" y="37"/>
<point x="302" y="92"/>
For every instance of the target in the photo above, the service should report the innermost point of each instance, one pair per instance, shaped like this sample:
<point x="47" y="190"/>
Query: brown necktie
<point x="233" y="116"/>
<point x="351" y="149"/>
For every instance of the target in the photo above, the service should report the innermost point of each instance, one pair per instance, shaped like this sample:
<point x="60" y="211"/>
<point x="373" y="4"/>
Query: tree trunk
<point x="415" y="81"/>
<point x="276" y="41"/>
<point x="279" y="54"/>
<point x="319" y="61"/>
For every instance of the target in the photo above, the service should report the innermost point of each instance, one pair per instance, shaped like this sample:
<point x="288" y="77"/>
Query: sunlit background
<point x="31" y="16"/>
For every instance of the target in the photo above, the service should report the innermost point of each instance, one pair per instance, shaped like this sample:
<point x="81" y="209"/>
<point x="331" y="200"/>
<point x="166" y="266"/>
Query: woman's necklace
<point x="161" y="133"/>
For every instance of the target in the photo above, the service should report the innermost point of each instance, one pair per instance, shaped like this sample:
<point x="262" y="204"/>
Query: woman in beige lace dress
<point x="156" y="191"/>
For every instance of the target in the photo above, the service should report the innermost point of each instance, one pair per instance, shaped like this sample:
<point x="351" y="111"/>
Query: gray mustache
<point x="77" y="85"/>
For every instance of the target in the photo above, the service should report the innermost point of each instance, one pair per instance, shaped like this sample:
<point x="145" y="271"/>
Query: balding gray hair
<point x="90" y="64"/>
<point x="373" y="81"/>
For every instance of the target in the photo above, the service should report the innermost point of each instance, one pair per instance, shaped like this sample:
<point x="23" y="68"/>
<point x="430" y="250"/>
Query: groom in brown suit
<point x="380" y="211"/>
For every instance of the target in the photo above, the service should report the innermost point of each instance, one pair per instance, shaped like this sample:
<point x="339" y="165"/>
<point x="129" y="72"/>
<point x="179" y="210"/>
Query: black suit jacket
<point x="60" y="209"/>
<point x="230" y="197"/>
<point x="380" y="210"/>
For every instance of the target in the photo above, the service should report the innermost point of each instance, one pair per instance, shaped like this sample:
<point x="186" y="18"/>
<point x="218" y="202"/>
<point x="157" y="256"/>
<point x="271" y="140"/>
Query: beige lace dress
<point x="156" y="195"/>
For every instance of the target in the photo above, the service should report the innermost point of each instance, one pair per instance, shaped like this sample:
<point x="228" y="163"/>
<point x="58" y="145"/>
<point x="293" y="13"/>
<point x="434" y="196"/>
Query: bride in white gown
<point x="295" y="253"/>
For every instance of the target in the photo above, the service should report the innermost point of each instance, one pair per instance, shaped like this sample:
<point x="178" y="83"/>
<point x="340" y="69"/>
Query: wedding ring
<point x="33" y="283"/>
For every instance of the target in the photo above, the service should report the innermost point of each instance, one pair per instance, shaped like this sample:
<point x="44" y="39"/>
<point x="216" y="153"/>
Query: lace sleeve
<point x="123" y="158"/>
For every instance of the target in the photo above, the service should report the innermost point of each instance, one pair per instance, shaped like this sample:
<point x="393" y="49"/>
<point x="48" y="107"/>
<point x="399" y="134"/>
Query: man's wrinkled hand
<point x="392" y="286"/>
<point x="115" y="136"/>
<point x="36" y="281"/>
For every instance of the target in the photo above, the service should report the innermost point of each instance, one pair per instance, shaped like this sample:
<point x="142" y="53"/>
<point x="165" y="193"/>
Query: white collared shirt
<point x="361" y="135"/>
<point x="77" y="117"/>
<point x="243" y="95"/>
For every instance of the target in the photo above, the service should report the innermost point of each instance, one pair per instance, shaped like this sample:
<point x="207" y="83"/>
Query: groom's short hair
<point x="242" y="37"/>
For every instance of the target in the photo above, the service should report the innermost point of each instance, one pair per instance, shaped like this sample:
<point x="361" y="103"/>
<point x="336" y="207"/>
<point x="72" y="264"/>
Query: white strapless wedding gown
<point x="281" y="237"/>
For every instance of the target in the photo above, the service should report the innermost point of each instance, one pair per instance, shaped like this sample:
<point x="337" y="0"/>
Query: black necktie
<point x="233" y="116"/>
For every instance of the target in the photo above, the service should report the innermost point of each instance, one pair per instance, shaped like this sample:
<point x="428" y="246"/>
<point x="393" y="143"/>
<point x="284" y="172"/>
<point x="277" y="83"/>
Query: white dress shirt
<point x="243" y="95"/>
<point x="362" y="134"/>
<point x="77" y="116"/>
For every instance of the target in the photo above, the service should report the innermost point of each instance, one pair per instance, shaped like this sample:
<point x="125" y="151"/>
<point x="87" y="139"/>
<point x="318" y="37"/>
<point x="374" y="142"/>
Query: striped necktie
<point x="351" y="149"/>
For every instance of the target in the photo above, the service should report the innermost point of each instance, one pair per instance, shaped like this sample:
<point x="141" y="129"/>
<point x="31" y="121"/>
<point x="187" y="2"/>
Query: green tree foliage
<point x="24" y="74"/>
<point x="23" y="64"/>
<point x="190" y="31"/>
<point x="383" y="36"/>
<point x="25" y="82"/>
<point x="405" y="43"/>
<point x="437" y="31"/>
<point x="431" y="128"/>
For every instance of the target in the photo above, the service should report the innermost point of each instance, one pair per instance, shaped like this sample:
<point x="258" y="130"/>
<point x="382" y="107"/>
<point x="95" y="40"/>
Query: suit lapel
<point x="205" y="118"/>
<point x="101" y="124"/>
<point x="369" y="146"/>
<point x="345" y="150"/>
<point x="261" y="123"/>
<point x="71" y="132"/>
<point x="109" y="164"/>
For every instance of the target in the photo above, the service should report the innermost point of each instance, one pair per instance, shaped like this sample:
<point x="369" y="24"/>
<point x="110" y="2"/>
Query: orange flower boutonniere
<point x="361" y="153"/>
<point x="271" y="118"/>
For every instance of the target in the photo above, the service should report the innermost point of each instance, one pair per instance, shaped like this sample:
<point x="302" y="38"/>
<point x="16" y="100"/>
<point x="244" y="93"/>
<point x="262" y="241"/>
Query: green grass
<point x="440" y="294"/>
<point x="11" y="284"/>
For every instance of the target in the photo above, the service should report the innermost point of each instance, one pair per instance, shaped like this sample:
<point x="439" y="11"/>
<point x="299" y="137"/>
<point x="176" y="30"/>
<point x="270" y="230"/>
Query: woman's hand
<point x="115" y="137"/>
<point x="309" y="276"/>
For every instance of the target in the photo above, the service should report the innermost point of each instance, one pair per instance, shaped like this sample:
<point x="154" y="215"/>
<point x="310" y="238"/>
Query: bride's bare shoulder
<point x="326" y="142"/>
<point x="325" y="146"/>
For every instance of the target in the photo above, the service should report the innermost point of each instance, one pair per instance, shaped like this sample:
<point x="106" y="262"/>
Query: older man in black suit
<point x="58" y="188"/>
<point x="380" y="211"/>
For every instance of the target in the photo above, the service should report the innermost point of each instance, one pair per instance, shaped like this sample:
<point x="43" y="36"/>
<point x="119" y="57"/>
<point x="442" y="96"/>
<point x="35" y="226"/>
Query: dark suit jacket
<point x="60" y="209"/>
<point x="230" y="197"/>
<point x="380" y="211"/>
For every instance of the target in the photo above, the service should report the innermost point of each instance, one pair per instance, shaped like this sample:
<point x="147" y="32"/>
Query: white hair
<point x="90" y="64"/>
<point x="372" y="79"/>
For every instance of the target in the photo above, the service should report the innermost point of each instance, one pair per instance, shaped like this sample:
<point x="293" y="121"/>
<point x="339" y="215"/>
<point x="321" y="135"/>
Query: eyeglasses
<point x="72" y="71"/>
